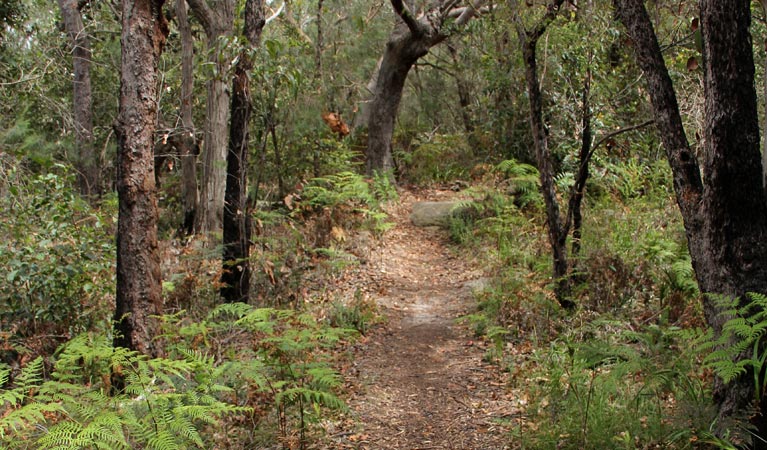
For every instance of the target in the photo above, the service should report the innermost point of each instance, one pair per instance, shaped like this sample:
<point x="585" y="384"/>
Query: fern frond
<point x="15" y="420"/>
<point x="324" y="377"/>
<point x="164" y="440"/>
<point x="31" y="375"/>
<point x="227" y="310"/>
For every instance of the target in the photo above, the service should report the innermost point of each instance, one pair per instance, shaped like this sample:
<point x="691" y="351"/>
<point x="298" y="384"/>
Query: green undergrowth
<point x="56" y="260"/>
<point x="625" y="370"/>
<point x="605" y="384"/>
<point x="300" y="244"/>
<point x="243" y="377"/>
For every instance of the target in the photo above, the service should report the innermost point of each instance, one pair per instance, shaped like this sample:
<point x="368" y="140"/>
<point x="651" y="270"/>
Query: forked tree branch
<point x="407" y="16"/>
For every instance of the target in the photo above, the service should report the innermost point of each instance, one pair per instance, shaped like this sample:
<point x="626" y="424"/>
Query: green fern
<point x="740" y="346"/>
<point x="173" y="402"/>
<point x="337" y="189"/>
<point x="523" y="179"/>
<point x="163" y="405"/>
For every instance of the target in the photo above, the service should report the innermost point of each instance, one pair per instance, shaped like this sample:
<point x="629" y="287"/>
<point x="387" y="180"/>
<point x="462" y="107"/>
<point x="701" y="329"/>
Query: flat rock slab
<point x="431" y="214"/>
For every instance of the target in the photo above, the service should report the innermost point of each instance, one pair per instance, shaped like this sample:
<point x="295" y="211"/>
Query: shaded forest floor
<point x="419" y="380"/>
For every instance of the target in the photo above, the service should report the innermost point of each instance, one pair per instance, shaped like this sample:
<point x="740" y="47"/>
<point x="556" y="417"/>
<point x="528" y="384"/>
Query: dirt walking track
<point x="422" y="383"/>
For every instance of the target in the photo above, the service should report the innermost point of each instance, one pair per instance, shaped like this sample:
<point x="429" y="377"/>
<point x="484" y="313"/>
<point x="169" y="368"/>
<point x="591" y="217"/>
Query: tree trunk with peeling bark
<point x="88" y="170"/>
<point x="139" y="293"/>
<point x="726" y="218"/>
<point x="236" y="274"/>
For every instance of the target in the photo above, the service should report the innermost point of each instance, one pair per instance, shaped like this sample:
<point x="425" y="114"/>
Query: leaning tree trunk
<point x="89" y="172"/>
<point x="402" y="51"/>
<point x="412" y="38"/>
<point x="186" y="143"/>
<point x="138" y="296"/>
<point x="236" y="274"/>
<point x="725" y="220"/>
<point x="584" y="157"/>
<point x="217" y="18"/>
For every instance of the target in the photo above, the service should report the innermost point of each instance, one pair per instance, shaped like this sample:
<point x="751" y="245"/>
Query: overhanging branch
<point x="466" y="13"/>
<point x="612" y="134"/>
<point x="407" y="16"/>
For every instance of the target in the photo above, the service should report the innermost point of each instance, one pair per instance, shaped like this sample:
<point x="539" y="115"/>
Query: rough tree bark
<point x="186" y="142"/>
<point x="411" y="39"/>
<point x="764" y="95"/>
<point x="89" y="172"/>
<point x="138" y="297"/>
<point x="217" y="19"/>
<point x="236" y="275"/>
<point x="725" y="218"/>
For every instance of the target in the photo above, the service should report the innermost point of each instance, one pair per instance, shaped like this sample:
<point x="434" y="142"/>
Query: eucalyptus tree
<point x="556" y="228"/>
<point x="413" y="35"/>
<point x="725" y="210"/>
<point x="139" y="294"/>
<point x="217" y="19"/>
<point x="236" y="274"/>
<point x="82" y="96"/>
<point x="186" y="141"/>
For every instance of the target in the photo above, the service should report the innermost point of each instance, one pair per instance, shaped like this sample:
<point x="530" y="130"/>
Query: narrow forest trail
<point x="421" y="381"/>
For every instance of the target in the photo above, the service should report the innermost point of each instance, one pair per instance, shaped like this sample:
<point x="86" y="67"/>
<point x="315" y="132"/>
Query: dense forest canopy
<point x="172" y="170"/>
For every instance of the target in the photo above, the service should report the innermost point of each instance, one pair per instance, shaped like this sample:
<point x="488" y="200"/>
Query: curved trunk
<point x="556" y="229"/>
<point x="412" y="38"/>
<point x="400" y="55"/>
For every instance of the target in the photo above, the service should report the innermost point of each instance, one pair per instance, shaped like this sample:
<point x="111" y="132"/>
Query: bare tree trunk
<point x="734" y="202"/>
<point x="187" y="142"/>
<point x="89" y="172"/>
<point x="464" y="96"/>
<point x="236" y="275"/>
<point x="687" y="181"/>
<point x="725" y="220"/>
<point x="556" y="228"/>
<point x="579" y="188"/>
<point x="411" y="39"/>
<point x="139" y="295"/>
<point x="402" y="51"/>
<point x="764" y="127"/>
<point x="217" y="18"/>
